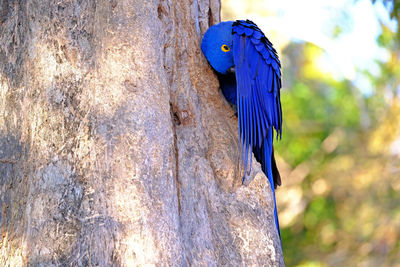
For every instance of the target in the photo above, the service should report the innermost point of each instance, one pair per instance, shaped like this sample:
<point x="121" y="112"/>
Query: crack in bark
<point x="176" y="121"/>
<point x="8" y="161"/>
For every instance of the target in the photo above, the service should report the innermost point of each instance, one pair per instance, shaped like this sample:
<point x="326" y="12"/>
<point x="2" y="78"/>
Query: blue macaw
<point x="254" y="87"/>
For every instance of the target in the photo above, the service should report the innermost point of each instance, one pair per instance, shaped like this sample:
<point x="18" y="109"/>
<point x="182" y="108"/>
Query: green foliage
<point x="393" y="7"/>
<point x="313" y="106"/>
<point x="353" y="215"/>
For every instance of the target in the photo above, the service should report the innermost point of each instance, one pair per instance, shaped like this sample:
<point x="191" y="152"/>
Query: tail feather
<point x="268" y="150"/>
<point x="265" y="155"/>
<point x="275" y="171"/>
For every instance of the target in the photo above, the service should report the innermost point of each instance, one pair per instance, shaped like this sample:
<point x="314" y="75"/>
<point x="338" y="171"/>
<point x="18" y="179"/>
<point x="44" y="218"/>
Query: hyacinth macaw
<point x="254" y="87"/>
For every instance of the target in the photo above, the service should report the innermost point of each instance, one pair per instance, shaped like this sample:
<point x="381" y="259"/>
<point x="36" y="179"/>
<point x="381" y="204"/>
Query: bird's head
<point x="217" y="46"/>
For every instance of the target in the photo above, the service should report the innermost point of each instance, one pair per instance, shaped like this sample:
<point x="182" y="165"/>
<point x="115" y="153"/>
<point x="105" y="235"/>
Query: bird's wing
<point x="258" y="79"/>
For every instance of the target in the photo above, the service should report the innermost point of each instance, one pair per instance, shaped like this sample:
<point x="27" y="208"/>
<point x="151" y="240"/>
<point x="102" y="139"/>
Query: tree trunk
<point x="116" y="147"/>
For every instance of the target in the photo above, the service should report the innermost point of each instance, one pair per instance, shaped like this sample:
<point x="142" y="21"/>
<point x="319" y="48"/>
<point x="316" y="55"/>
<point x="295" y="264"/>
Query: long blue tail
<point x="268" y="142"/>
<point x="264" y="155"/>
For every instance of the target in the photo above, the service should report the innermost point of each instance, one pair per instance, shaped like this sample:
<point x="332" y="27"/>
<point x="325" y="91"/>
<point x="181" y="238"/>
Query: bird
<point x="249" y="72"/>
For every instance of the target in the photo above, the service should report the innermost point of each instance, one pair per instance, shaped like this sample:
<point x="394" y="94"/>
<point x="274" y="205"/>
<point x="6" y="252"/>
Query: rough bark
<point x="116" y="147"/>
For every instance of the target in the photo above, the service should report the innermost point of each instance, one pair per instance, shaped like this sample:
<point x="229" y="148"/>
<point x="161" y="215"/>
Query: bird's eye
<point x="225" y="48"/>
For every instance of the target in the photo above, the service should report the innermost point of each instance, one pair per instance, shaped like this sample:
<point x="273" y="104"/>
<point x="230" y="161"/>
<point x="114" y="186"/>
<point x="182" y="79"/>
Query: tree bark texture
<point x="116" y="146"/>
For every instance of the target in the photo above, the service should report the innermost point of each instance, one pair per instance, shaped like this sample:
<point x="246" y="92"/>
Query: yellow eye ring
<point x="225" y="48"/>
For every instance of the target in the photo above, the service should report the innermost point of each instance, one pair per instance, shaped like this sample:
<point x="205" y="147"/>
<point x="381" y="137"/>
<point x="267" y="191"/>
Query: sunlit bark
<point x="116" y="147"/>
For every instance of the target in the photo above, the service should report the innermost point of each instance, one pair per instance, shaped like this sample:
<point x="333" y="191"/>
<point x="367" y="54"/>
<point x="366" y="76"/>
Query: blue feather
<point x="257" y="74"/>
<point x="257" y="95"/>
<point x="228" y="86"/>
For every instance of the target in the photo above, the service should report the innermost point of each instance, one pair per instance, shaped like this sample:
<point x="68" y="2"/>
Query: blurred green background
<point x="339" y="156"/>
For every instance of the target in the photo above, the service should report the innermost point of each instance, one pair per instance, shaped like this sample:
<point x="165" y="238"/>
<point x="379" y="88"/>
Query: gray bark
<point x="116" y="147"/>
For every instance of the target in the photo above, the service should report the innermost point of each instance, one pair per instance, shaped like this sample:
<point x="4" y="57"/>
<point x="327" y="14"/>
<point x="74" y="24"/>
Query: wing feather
<point x="258" y="79"/>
